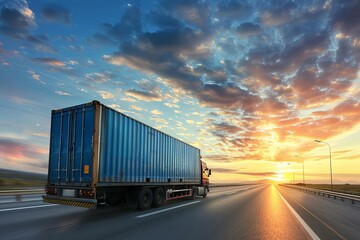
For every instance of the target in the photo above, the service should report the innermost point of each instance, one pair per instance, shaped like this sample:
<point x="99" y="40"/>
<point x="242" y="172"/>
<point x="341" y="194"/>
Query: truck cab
<point x="206" y="172"/>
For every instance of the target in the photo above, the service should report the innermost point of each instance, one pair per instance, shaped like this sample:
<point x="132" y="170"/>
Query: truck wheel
<point x="145" y="198"/>
<point x="193" y="193"/>
<point x="206" y="190"/>
<point x="159" y="197"/>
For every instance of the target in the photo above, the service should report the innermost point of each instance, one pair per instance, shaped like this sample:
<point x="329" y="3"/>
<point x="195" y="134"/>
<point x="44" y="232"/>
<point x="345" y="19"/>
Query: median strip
<point x="165" y="210"/>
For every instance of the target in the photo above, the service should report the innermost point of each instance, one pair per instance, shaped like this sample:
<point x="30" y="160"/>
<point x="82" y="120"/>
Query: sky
<point x="250" y="83"/>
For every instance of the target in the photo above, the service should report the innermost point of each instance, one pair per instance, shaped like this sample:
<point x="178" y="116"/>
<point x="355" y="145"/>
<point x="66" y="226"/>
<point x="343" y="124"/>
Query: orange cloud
<point x="17" y="153"/>
<point x="50" y="61"/>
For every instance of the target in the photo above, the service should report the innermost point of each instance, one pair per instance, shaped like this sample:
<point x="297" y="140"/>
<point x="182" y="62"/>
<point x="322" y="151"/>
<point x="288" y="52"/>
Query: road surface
<point x="241" y="212"/>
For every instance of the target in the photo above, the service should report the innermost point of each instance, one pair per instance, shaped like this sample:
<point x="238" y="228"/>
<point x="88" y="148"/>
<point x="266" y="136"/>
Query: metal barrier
<point x="329" y="194"/>
<point x="19" y="193"/>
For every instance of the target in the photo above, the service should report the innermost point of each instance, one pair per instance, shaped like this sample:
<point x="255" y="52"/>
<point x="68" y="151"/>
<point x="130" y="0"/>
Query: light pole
<point x="293" y="176"/>
<point x="303" y="167"/>
<point x="330" y="161"/>
<point x="293" y="179"/>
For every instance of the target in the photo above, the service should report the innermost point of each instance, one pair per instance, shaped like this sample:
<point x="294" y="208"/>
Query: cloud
<point x="136" y="108"/>
<point x="233" y="9"/>
<point x="61" y="93"/>
<point x="171" y="105"/>
<point x="224" y="170"/>
<point x="128" y="27"/>
<point x="218" y="158"/>
<point x="41" y="134"/>
<point x="228" y="96"/>
<point x="55" y="65"/>
<point x="34" y="75"/>
<point x="159" y="120"/>
<point x="346" y="19"/>
<point x="72" y="62"/>
<point x="248" y="29"/>
<point x="279" y="13"/>
<point x="16" y="19"/>
<point x="194" y="13"/>
<point x="150" y="91"/>
<point x="106" y="95"/>
<point x="159" y="53"/>
<point x="97" y="77"/>
<point x="56" y="13"/>
<point x="260" y="174"/>
<point x="188" y="121"/>
<point x="19" y="153"/>
<point x="143" y="95"/>
<point x="156" y="112"/>
<point x="164" y="20"/>
<point x="226" y="128"/>
<point x="117" y="108"/>
<point x="271" y="72"/>
<point x="50" y="61"/>
<point x="128" y="99"/>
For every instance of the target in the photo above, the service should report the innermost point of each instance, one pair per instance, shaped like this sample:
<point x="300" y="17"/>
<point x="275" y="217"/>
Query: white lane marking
<point x="165" y="210"/>
<point x="303" y="223"/>
<point x="230" y="193"/>
<point x="241" y="190"/>
<point x="21" y="208"/>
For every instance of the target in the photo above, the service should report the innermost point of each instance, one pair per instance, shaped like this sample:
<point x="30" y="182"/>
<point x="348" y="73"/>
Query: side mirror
<point x="209" y="172"/>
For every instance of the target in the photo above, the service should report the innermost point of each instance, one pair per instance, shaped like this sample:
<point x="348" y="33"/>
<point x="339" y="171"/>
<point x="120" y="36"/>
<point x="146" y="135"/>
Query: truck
<point x="100" y="156"/>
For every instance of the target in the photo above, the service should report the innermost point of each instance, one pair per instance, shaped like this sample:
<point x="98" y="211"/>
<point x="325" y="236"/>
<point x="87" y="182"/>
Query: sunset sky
<point x="250" y="83"/>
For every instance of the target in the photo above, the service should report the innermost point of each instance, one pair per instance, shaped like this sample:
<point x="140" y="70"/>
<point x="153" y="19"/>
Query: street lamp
<point x="303" y="167"/>
<point x="293" y="178"/>
<point x="330" y="161"/>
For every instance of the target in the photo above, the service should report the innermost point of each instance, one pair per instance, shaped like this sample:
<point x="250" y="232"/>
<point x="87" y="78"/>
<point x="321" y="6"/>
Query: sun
<point x="278" y="177"/>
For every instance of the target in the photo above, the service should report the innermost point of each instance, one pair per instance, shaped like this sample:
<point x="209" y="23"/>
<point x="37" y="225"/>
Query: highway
<point x="242" y="212"/>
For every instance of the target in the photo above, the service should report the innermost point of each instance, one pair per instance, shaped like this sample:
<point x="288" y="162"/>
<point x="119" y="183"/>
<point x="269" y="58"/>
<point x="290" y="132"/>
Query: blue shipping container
<point x="93" y="145"/>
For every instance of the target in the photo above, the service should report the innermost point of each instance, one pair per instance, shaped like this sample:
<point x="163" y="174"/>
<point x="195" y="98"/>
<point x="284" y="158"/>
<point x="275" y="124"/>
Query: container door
<point x="71" y="145"/>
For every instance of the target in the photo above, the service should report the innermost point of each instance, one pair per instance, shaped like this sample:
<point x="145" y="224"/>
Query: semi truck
<point x="100" y="156"/>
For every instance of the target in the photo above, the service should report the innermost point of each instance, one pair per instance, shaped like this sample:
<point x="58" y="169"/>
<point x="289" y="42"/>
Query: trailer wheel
<point x="145" y="198"/>
<point x="159" y="197"/>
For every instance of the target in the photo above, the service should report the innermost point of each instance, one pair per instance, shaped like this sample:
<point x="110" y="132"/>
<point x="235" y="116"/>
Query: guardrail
<point x="329" y="194"/>
<point x="19" y="193"/>
<point x="228" y="185"/>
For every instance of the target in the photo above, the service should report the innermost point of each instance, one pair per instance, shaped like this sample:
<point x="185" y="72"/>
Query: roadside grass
<point x="15" y="183"/>
<point x="344" y="188"/>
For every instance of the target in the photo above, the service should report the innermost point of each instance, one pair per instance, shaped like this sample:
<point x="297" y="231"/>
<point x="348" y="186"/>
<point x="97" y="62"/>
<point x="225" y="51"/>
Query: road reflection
<point x="275" y="219"/>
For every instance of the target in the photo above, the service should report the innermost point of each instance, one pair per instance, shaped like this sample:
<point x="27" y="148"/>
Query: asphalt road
<point x="227" y="213"/>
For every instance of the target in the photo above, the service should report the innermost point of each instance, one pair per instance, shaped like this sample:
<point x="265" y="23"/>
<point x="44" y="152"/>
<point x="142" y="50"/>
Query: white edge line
<point x="21" y="208"/>
<point x="165" y="210"/>
<point x="303" y="223"/>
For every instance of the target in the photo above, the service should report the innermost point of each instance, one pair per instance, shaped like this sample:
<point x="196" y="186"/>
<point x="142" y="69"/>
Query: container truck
<point x="99" y="156"/>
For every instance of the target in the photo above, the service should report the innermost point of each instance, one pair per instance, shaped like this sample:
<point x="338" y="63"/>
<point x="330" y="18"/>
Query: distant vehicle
<point x="100" y="156"/>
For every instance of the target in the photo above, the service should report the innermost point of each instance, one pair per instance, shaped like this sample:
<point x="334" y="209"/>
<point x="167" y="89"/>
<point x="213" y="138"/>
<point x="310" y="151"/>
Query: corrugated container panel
<point x="132" y="152"/>
<point x="70" y="157"/>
